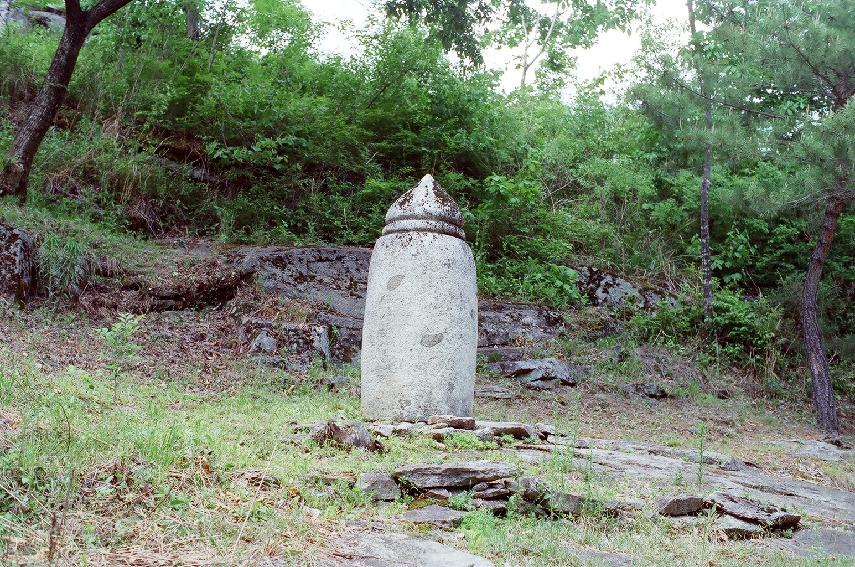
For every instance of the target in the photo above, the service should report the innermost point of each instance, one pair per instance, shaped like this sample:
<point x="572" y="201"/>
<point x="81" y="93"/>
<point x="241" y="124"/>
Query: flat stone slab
<point x="734" y="528"/>
<point x="434" y="515"/>
<point x="765" y="515"/>
<point x="453" y="421"/>
<point x="463" y="475"/>
<point x="386" y="549"/>
<point x="494" y="392"/>
<point x="515" y="429"/>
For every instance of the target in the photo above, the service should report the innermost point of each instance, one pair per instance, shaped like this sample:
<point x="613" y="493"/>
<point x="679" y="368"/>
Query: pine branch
<point x="719" y="102"/>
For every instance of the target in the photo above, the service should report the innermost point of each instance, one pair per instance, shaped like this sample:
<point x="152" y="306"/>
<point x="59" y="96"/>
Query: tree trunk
<point x="41" y="111"/>
<point x="192" y="20"/>
<point x="706" y="271"/>
<point x="823" y="394"/>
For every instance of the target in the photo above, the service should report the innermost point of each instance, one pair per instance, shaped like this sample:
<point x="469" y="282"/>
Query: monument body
<point x="421" y="312"/>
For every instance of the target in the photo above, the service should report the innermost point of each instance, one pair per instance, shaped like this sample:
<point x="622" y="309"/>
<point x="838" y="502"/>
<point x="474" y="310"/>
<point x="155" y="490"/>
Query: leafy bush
<point x="530" y="280"/>
<point x="745" y="329"/>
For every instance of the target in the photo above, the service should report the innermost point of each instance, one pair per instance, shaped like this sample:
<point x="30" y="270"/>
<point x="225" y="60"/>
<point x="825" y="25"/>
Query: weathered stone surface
<point x="464" y="475"/>
<point x="503" y="324"/>
<point x="530" y="488"/>
<point x="490" y="490"/>
<point x="438" y="494"/>
<point x="513" y="428"/>
<point x="543" y="373"/>
<point x="766" y="515"/>
<point x="407" y="428"/>
<point x="545" y="430"/>
<point x="30" y="18"/>
<point x="334" y="277"/>
<point x="263" y="343"/>
<point x="604" y="558"/>
<point x="453" y="421"/>
<point x="384" y="549"/>
<point x="352" y="435"/>
<point x="435" y="515"/>
<point x="421" y="312"/>
<point x="643" y="464"/>
<point x="383" y="429"/>
<point x="818" y="543"/>
<point x="679" y="505"/>
<point x="608" y="290"/>
<point x="654" y="391"/>
<point x="734" y="528"/>
<point x="297" y="344"/>
<point x="819" y="450"/>
<point x="534" y="490"/>
<point x="17" y="262"/>
<point x="564" y="503"/>
<point x="381" y="485"/>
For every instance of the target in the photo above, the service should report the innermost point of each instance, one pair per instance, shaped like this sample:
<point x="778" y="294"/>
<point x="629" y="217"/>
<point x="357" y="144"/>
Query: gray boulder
<point x="263" y="343"/>
<point x="503" y="324"/>
<point x="818" y="543"/>
<point x="380" y="485"/>
<point x="607" y="290"/>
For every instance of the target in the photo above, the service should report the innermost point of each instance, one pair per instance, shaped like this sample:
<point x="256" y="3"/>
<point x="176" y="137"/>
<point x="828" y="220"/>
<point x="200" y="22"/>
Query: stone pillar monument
<point x="421" y="312"/>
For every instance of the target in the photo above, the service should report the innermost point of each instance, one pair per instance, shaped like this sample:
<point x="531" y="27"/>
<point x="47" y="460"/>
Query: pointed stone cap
<point x="425" y="208"/>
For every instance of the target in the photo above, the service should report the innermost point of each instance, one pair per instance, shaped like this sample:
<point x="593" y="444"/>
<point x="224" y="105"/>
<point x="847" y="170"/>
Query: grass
<point x="169" y="472"/>
<point x="159" y="461"/>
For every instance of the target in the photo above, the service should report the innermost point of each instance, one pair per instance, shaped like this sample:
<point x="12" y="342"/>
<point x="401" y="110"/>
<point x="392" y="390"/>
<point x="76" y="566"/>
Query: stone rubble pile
<point x="732" y="516"/>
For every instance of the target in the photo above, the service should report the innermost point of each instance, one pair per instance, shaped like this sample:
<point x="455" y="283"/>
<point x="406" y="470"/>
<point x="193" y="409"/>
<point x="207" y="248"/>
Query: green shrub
<point x="64" y="264"/>
<point x="745" y="329"/>
<point x="530" y="280"/>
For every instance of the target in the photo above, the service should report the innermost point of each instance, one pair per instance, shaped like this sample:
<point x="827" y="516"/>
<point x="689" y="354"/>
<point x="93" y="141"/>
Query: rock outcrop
<point x="608" y="290"/>
<point x="17" y="262"/>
